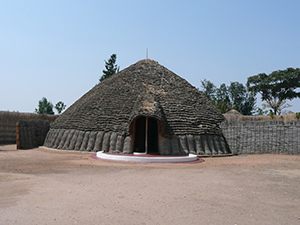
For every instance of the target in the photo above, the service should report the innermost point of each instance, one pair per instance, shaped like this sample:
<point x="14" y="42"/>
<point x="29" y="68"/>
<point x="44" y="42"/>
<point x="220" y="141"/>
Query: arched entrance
<point x="146" y="135"/>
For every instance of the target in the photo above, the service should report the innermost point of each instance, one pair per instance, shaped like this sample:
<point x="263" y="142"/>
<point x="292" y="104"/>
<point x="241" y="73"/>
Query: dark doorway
<point x="140" y="134"/>
<point x="152" y="136"/>
<point x="146" y="135"/>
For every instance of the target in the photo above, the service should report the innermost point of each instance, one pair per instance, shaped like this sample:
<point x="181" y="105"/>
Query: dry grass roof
<point x="145" y="88"/>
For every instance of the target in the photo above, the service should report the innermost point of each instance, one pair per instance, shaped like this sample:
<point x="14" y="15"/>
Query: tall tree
<point x="110" y="67"/>
<point x="222" y="99"/>
<point x="280" y="108"/>
<point x="208" y="88"/>
<point x="222" y="94"/>
<point x="230" y="97"/>
<point x="60" y="106"/>
<point x="44" y="107"/>
<point x="241" y="100"/>
<point x="276" y="87"/>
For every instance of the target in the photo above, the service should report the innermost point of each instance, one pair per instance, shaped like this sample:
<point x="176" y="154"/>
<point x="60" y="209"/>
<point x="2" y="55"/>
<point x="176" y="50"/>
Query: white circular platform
<point x="147" y="158"/>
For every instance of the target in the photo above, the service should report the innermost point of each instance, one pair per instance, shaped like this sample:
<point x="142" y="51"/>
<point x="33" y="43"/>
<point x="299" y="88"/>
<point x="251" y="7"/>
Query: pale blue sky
<point x="56" y="49"/>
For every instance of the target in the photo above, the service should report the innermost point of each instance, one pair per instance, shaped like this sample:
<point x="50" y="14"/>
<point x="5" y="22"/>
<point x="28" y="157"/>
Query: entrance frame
<point x="158" y="133"/>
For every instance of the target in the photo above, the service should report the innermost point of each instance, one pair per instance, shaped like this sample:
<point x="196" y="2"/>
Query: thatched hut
<point x="232" y="115"/>
<point x="143" y="108"/>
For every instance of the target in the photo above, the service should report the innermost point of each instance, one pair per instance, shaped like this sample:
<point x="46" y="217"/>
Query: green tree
<point x="60" y="106"/>
<point x="222" y="94"/>
<point x="208" y="88"/>
<point x="44" y="107"/>
<point x="271" y="114"/>
<point x="222" y="99"/>
<point x="276" y="87"/>
<point x="261" y="111"/>
<point x="223" y="107"/>
<point x="280" y="107"/>
<point x="110" y="67"/>
<point x="241" y="100"/>
<point x="228" y="97"/>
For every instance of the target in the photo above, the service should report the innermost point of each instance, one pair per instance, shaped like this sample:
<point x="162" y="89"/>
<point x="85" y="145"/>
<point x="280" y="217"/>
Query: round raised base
<point x="147" y="158"/>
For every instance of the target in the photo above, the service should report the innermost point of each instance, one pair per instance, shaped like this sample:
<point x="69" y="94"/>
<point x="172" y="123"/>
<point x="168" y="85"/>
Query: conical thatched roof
<point x="144" y="88"/>
<point x="232" y="115"/>
<point x="106" y="117"/>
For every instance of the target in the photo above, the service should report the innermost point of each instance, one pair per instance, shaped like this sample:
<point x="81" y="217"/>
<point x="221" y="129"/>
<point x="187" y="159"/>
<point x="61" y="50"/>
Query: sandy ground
<point x="42" y="186"/>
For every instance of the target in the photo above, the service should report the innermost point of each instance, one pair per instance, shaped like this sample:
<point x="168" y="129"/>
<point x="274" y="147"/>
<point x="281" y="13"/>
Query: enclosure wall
<point x="259" y="137"/>
<point x="32" y="133"/>
<point x="8" y="121"/>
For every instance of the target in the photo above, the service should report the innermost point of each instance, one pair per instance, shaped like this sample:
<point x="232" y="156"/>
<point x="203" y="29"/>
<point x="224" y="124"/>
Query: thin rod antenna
<point x="147" y="53"/>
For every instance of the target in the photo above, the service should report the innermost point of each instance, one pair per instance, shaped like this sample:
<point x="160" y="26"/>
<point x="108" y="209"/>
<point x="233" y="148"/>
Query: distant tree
<point x="241" y="100"/>
<point x="261" y="111"/>
<point x="230" y="97"/>
<point x="222" y="94"/>
<point x="110" y="67"/>
<point x="271" y="114"/>
<point x="60" y="106"/>
<point x="222" y="99"/>
<point x="280" y="108"/>
<point x="223" y="107"/>
<point x="276" y="87"/>
<point x="208" y="88"/>
<point x="297" y="115"/>
<point x="44" y="107"/>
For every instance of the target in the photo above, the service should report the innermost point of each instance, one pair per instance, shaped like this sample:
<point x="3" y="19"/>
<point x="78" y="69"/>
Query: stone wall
<point x="260" y="137"/>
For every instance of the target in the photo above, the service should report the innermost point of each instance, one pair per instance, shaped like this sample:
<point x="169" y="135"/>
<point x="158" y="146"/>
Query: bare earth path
<point x="42" y="186"/>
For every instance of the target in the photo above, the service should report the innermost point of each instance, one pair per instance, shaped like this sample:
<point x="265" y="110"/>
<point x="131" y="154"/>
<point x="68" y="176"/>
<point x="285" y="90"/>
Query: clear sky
<point x="56" y="49"/>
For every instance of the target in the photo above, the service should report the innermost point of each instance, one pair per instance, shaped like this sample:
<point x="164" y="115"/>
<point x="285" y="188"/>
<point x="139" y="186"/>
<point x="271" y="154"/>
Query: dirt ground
<point x="41" y="186"/>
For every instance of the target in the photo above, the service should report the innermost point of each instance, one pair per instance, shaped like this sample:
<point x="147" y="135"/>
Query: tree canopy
<point x="209" y="89"/>
<point x="110" y="67"/>
<point x="276" y="87"/>
<point x="241" y="99"/>
<point x="60" y="106"/>
<point x="234" y="96"/>
<point x="44" y="107"/>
